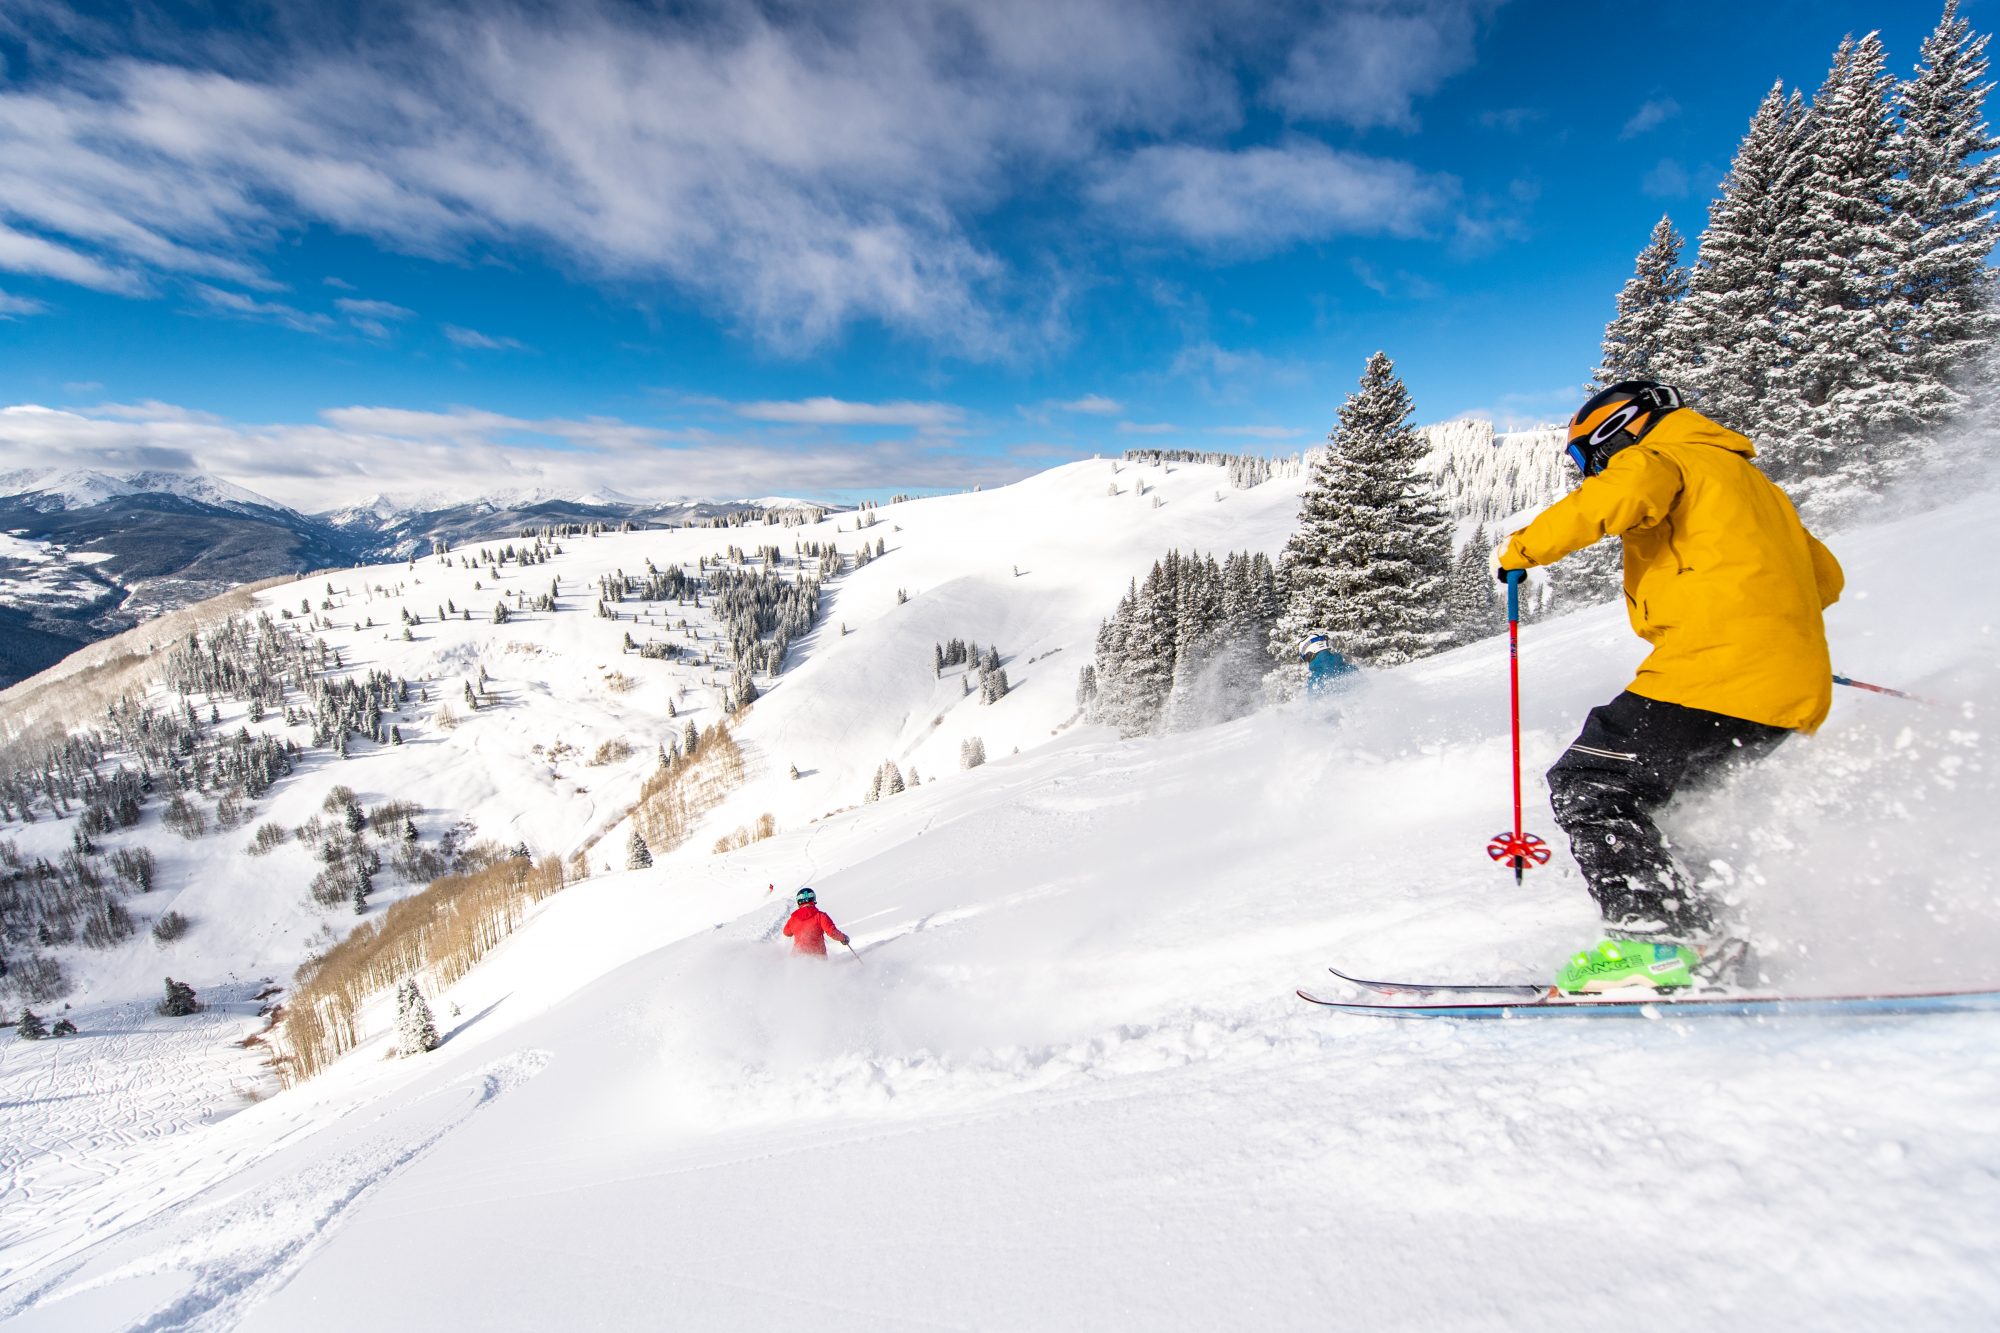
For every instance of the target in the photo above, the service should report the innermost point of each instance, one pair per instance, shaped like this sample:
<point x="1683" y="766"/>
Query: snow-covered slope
<point x="1065" y="1083"/>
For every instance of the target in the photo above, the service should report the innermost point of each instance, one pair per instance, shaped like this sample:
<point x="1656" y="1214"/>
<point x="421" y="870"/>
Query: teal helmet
<point x="806" y="896"/>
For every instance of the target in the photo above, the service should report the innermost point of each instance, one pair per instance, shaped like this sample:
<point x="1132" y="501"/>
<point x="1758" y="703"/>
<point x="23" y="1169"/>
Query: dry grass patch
<point x="612" y="752"/>
<point x="765" y="827"/>
<point x="674" y="798"/>
<point x="618" y="682"/>
<point x="443" y="931"/>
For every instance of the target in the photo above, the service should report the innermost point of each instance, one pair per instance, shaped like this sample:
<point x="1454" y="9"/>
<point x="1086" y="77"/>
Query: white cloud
<point x="1095" y="404"/>
<point x="351" y="453"/>
<point x="1365" y="64"/>
<point x="371" y="309"/>
<point x="1262" y="199"/>
<point x="22" y="253"/>
<point x="796" y="169"/>
<point x="239" y="306"/>
<point x="1650" y="116"/>
<point x="838" y="412"/>
<point x="482" y="342"/>
<point x="13" y="307"/>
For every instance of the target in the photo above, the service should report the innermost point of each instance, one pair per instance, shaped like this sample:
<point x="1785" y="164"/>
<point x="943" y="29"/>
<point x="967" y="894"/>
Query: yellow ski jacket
<point x="1721" y="577"/>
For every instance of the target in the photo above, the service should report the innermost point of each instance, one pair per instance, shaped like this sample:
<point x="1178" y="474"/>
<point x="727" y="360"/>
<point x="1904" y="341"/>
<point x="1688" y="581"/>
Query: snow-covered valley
<point x="1064" y="1081"/>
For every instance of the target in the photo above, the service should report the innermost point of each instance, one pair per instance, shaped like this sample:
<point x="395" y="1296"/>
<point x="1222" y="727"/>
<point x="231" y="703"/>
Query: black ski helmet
<point x="805" y="896"/>
<point x="1616" y="417"/>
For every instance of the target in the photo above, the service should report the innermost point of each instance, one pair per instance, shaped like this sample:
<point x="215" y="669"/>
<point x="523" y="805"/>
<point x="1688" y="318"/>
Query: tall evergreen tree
<point x="1725" y="343"/>
<point x="1371" y="559"/>
<point x="638" y="856"/>
<point x="1942" y="206"/>
<point x="1475" y="608"/>
<point x="1836" y="412"/>
<point x="1637" y="341"/>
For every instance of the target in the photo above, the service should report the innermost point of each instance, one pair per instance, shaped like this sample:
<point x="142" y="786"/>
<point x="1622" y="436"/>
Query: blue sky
<point x="725" y="249"/>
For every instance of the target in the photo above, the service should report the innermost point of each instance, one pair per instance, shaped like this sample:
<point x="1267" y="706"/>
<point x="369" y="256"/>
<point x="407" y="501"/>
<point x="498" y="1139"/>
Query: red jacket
<point x="809" y="928"/>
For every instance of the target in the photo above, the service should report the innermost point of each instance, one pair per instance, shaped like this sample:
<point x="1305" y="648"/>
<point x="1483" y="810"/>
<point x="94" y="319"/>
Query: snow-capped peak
<point x="79" y="488"/>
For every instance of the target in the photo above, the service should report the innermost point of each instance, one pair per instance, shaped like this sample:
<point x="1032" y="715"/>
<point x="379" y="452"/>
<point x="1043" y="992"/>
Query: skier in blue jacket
<point x="1324" y="666"/>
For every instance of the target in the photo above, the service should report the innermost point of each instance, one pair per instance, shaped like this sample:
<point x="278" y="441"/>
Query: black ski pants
<point x="1632" y="756"/>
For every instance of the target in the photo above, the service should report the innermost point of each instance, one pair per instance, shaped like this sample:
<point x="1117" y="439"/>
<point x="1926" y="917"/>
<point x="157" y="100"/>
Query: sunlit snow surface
<point x="1065" y="1084"/>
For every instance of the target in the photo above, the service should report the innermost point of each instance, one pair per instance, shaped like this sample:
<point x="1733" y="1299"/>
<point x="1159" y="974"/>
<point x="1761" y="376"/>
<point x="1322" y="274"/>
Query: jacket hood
<point x="1688" y="426"/>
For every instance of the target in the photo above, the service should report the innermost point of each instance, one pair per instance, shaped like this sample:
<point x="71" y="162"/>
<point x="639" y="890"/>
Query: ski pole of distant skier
<point x="850" y="949"/>
<point x="1517" y="849"/>
<point x="1853" y="684"/>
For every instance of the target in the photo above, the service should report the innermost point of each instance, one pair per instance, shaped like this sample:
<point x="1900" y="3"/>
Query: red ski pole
<point x="1839" y="679"/>
<point x="1517" y="849"/>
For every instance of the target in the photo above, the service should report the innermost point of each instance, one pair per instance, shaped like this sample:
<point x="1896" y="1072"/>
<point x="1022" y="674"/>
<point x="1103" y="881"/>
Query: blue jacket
<point x="1326" y="668"/>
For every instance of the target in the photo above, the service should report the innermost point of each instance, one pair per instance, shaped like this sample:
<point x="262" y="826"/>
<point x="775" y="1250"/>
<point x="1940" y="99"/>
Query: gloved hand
<point x="1500" y="571"/>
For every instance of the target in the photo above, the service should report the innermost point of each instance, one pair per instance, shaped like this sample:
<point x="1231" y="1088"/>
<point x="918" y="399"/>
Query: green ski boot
<point x="1617" y="964"/>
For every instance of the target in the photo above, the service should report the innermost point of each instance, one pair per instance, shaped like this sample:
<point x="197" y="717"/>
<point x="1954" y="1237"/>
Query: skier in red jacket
<point x="809" y="927"/>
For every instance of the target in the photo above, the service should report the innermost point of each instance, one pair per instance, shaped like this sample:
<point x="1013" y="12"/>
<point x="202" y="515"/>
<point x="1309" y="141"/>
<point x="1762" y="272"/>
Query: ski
<point x="1525" y="989"/>
<point x="1667" y="1005"/>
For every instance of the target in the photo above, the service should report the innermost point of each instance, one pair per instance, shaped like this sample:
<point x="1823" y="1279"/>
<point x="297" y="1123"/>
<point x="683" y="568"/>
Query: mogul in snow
<point x="1726" y="584"/>
<point x="809" y="927"/>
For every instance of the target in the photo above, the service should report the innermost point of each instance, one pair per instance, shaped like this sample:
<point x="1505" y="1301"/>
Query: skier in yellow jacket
<point x="1726" y="584"/>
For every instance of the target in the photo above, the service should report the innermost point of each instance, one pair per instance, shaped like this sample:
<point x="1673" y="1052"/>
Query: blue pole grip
<point x="1514" y="577"/>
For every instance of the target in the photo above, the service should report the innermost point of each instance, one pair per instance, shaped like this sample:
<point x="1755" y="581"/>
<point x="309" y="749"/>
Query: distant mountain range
<point x="86" y="554"/>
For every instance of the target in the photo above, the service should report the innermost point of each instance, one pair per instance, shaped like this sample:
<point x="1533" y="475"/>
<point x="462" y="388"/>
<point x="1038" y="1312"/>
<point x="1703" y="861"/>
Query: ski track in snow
<point x="224" y="1254"/>
<point x="76" y="1112"/>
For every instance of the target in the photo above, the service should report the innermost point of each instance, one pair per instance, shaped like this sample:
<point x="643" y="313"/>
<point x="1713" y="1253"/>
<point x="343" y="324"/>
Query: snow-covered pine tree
<point x="1836" y="416"/>
<point x="892" y="779"/>
<point x="1941" y="218"/>
<point x="1637" y="341"/>
<point x="1475" y="609"/>
<point x="416" y="1029"/>
<point x="30" y="1027"/>
<point x="638" y="856"/>
<point x="1371" y="559"/>
<point x="1724" y="344"/>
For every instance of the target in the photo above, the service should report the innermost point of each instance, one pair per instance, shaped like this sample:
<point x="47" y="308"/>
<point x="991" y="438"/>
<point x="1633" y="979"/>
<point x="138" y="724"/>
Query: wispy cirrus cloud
<point x="238" y="306"/>
<point x="348" y="305"/>
<point x="1650" y="116"/>
<point x="13" y="307"/>
<point x="1093" y="404"/>
<point x="839" y="412"/>
<point x="1366" y="64"/>
<point x="1256" y="200"/>
<point x="474" y="340"/>
<point x="23" y="253"/>
<point x="795" y="170"/>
